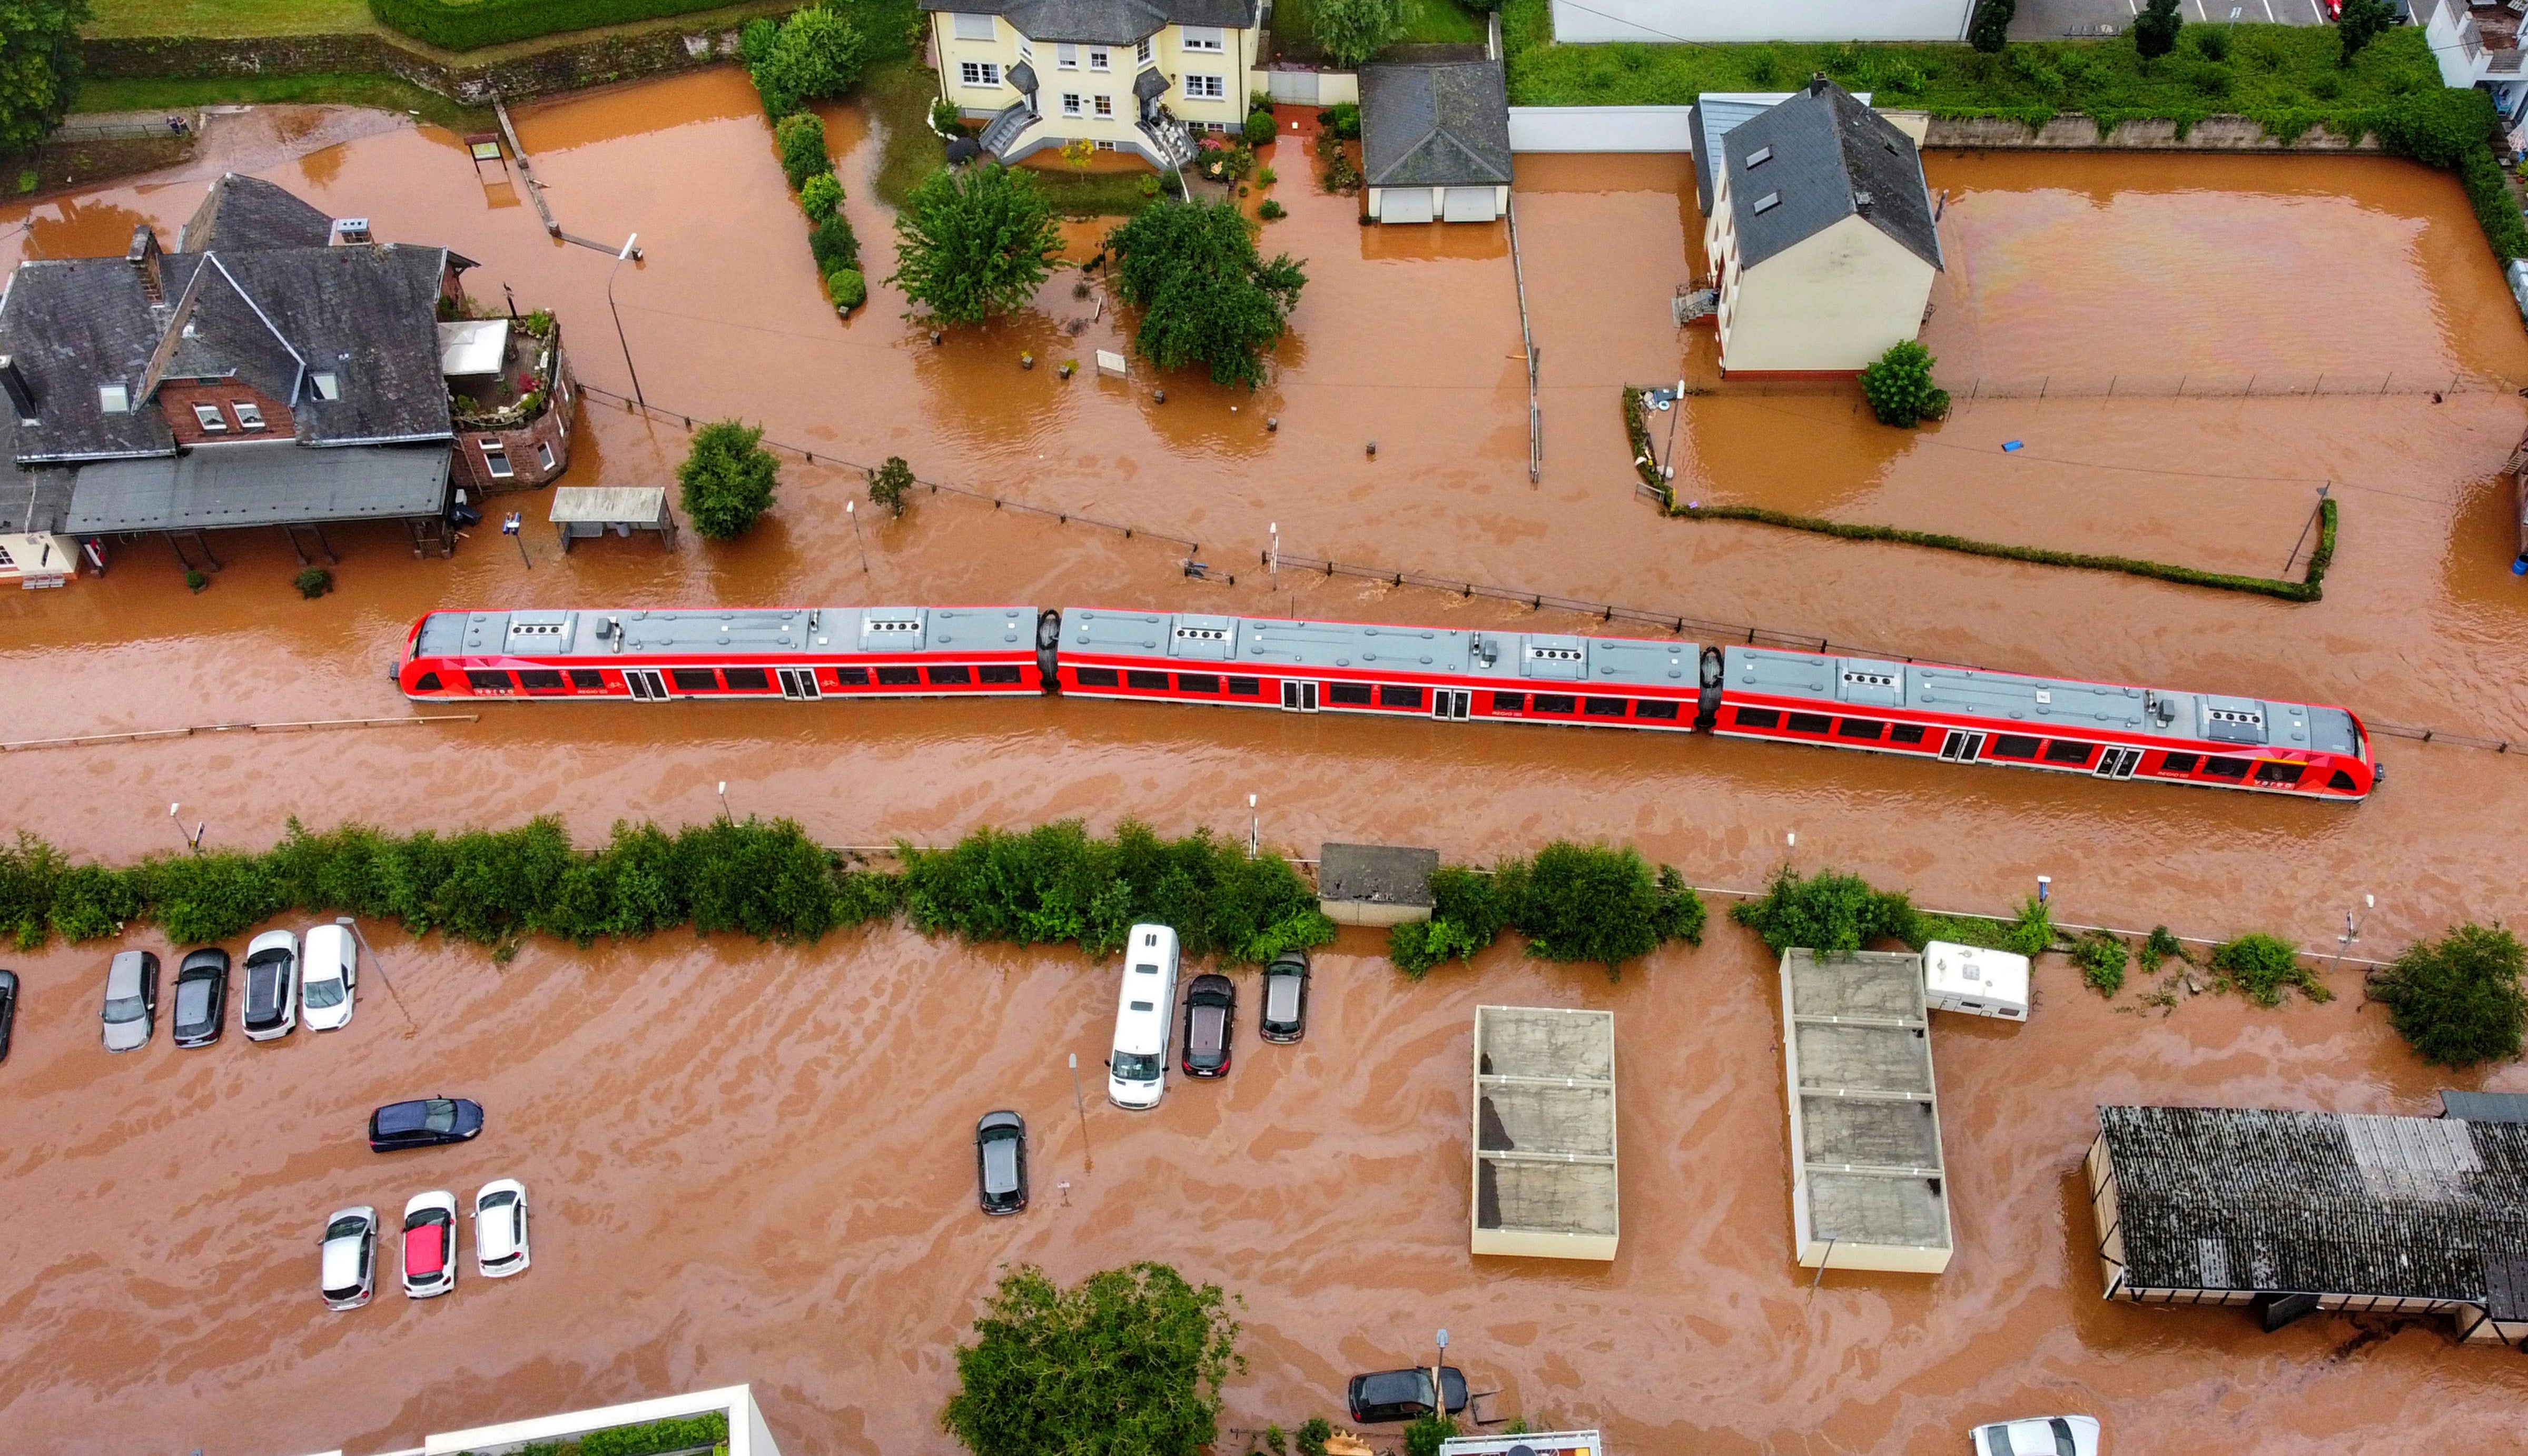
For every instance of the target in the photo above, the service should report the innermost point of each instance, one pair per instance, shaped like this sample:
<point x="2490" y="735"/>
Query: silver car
<point x="130" y="1001"/>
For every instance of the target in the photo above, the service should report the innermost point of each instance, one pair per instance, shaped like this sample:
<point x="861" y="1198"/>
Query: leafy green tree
<point x="728" y="479"/>
<point x="39" y="68"/>
<point x="1128" y="1363"/>
<point x="2456" y="1001"/>
<point x="1353" y="31"/>
<point x="1989" y="30"/>
<point x="816" y="54"/>
<point x="846" y="288"/>
<point x="801" y="137"/>
<point x="1592" y="903"/>
<point x="1424" y="1433"/>
<point x="2154" y="31"/>
<point x="1827" y="912"/>
<point x="2361" y="23"/>
<point x="973" y="242"/>
<point x="1899" y="386"/>
<point x="1207" y="298"/>
<point x="889" y="488"/>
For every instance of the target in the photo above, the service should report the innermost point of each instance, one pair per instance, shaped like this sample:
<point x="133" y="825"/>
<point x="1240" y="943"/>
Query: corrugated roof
<point x="1434" y="126"/>
<point x="262" y="483"/>
<point x="1105" y="21"/>
<point x="1826" y="156"/>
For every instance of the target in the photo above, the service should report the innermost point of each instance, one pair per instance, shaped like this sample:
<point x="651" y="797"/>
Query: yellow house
<point x="1131" y="76"/>
<point x="1821" y="237"/>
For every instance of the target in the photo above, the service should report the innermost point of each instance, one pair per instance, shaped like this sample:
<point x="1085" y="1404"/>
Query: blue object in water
<point x="2008" y="446"/>
<point x="2519" y="567"/>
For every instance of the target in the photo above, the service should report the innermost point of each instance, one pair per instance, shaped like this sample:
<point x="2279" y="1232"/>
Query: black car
<point x="8" y="1009"/>
<point x="1403" y="1394"/>
<point x="1286" y="998"/>
<point x="425" y="1123"/>
<point x="1211" y="1018"/>
<point x="1000" y="1161"/>
<point x="201" y="995"/>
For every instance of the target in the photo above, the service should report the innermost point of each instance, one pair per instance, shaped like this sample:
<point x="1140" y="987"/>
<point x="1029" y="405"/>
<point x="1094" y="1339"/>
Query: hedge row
<point x="1574" y="903"/>
<point x="470" y="25"/>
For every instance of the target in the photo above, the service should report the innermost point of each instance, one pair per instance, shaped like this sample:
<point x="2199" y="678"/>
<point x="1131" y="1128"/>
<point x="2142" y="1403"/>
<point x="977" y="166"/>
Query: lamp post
<point x="193" y="840"/>
<point x="1439" y="1391"/>
<point x="2351" y="935"/>
<point x="724" y="799"/>
<point x="1254" y="829"/>
<point x="619" y="337"/>
<point x="380" y="966"/>
<point x="2044" y="887"/>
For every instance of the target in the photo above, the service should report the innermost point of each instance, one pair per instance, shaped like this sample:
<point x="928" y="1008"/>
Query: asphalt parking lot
<point x="2056" y="19"/>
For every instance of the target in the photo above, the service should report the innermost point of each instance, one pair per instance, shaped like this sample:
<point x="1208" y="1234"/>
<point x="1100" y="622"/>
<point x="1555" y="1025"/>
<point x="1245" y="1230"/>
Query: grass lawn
<point x="1083" y="194"/>
<point x="385" y="93"/>
<point x="120" y="18"/>
<point x="1426" y="21"/>
<point x="899" y="97"/>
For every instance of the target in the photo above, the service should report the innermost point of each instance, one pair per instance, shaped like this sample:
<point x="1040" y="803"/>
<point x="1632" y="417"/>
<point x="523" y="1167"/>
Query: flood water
<point x="753" y="1164"/>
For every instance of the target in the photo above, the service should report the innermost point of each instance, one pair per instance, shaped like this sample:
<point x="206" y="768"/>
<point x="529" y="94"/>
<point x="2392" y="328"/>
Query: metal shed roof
<point x="262" y="483"/>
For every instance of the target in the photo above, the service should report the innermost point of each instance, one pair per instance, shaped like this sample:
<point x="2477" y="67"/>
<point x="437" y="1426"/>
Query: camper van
<point x="1137" y="1074"/>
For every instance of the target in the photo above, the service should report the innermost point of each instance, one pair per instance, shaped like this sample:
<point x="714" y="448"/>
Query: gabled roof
<point x="1105" y="21"/>
<point x="1434" y="126"/>
<point x="1824" y="157"/>
<point x="71" y="324"/>
<point x="241" y="213"/>
<point x="1714" y="115"/>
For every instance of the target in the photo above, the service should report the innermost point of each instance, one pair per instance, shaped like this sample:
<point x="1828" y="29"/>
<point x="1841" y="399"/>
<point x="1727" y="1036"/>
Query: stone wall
<point x="2073" y="131"/>
<point x="560" y="68"/>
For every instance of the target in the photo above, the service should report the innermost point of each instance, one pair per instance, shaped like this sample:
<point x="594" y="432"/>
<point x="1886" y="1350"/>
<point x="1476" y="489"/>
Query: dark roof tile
<point x="1830" y="157"/>
<point x="1434" y="126"/>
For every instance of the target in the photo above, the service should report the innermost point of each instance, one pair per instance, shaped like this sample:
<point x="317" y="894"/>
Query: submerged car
<point x="501" y="1229"/>
<point x="350" y="1258"/>
<point x="2043" y="1435"/>
<point x="330" y="980"/>
<point x="1403" y="1394"/>
<point x="130" y="1001"/>
<point x="1286" y="998"/>
<point x="1211" y="1018"/>
<point x="8" y="1009"/>
<point x="1000" y="1161"/>
<point x="201" y="995"/>
<point x="430" y="1244"/>
<point x="425" y="1123"/>
<point x="271" y="986"/>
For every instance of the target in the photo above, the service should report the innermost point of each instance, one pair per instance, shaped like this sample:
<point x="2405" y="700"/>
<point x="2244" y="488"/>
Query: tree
<point x="974" y="241"/>
<point x="728" y="478"/>
<point x="816" y="54"/>
<point x="1827" y="912"/>
<point x="2456" y="1000"/>
<point x="39" y="68"/>
<point x="1206" y="297"/>
<point x="1128" y="1363"/>
<point x="1900" y="389"/>
<point x="1079" y="151"/>
<point x="2361" y="23"/>
<point x="1989" y="30"/>
<point x="2154" y="31"/>
<point x="888" y="486"/>
<point x="1353" y="31"/>
<point x="1591" y="902"/>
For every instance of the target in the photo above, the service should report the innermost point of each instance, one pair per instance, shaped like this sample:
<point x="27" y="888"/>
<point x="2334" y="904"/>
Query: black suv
<point x="425" y="1123"/>
<point x="1403" y="1394"/>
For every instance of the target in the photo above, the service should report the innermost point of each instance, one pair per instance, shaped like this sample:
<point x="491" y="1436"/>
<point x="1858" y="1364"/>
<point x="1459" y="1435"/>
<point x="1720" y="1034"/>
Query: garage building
<point x="1435" y="141"/>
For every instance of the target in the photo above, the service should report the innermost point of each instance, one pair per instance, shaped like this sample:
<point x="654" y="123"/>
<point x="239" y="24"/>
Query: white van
<point x="1137" y="1074"/>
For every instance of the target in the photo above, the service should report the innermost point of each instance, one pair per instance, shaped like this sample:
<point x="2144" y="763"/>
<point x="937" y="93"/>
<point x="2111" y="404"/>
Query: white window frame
<point x="1210" y="40"/>
<point x="1105" y="108"/>
<point x="326" y="383"/>
<point x="496" y="458"/>
<point x="1141" y="51"/>
<point x="1026" y="52"/>
<point x="1065" y="57"/>
<point x="249" y="415"/>
<point x="966" y="25"/>
<point x="114" y="400"/>
<point x="545" y="453"/>
<point x="1070" y="103"/>
<point x="1206" y="88"/>
<point x="1101" y="59"/>
<point x="980" y="75"/>
<point x="208" y="416"/>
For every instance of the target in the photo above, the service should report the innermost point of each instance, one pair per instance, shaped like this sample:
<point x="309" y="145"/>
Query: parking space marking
<point x="2315" y="10"/>
<point x="2268" y="9"/>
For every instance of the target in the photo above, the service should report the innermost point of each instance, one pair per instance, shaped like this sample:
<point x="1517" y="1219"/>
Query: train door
<point x="648" y="684"/>
<point x="799" y="683"/>
<point x="1452" y="704"/>
<point x="1298" y="697"/>
<point x="1962" y="747"/>
<point x="2117" y="764"/>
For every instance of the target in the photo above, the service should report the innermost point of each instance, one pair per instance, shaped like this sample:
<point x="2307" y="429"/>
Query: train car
<point x="2106" y="730"/>
<point x="1348" y="667"/>
<point x="651" y="656"/>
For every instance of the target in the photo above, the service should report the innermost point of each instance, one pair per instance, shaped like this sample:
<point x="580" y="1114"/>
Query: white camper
<point x="1137" y="1074"/>
<point x="1974" y="980"/>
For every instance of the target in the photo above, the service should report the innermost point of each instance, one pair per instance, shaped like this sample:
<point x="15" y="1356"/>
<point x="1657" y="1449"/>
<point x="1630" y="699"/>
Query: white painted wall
<point x="1600" y="129"/>
<point x="1771" y="19"/>
<point x="1833" y="303"/>
<point x="748" y="1436"/>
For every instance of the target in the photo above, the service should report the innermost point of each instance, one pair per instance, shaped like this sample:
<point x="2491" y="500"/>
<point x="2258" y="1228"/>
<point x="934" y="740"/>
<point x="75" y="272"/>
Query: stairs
<point x="1004" y="130"/>
<point x="1169" y="141"/>
<point x="1698" y="304"/>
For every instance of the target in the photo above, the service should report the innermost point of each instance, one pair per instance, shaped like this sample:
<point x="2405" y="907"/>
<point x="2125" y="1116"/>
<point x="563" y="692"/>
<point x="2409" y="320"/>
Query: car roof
<point x="1391" y="1387"/>
<point x="495" y="1238"/>
<point x="122" y="977"/>
<point x="8" y="980"/>
<point x="404" y="1117"/>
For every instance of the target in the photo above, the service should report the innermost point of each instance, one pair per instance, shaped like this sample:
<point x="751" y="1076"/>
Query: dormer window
<point x="250" y="414"/>
<point x="1768" y="203"/>
<point x="327" y="384"/>
<point x="209" y="418"/>
<point x="114" y="400"/>
<point x="1758" y="157"/>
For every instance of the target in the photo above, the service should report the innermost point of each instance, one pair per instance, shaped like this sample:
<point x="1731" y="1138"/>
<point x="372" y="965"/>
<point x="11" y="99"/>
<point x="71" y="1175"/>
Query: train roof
<point x="1280" y="644"/>
<point x="2045" y="705"/>
<point x="765" y="631"/>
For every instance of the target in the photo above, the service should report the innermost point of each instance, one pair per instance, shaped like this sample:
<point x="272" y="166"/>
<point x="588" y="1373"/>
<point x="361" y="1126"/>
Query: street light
<point x="724" y="799"/>
<point x="192" y="841"/>
<point x="2351" y="935"/>
<point x="628" y="250"/>
<point x="1253" y="828"/>
<point x="1440" y="1390"/>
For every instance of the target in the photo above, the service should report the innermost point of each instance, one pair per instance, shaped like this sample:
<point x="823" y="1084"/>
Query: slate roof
<point x="1830" y="157"/>
<point x="259" y="482"/>
<point x="241" y="213"/>
<point x="71" y="324"/>
<point x="367" y="314"/>
<point x="1434" y="126"/>
<point x="2320" y="1203"/>
<point x="1105" y="21"/>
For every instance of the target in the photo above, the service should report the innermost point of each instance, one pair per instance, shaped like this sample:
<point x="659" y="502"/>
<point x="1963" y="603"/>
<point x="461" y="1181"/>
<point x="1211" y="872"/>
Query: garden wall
<point x="2073" y="131"/>
<point x="595" y="62"/>
<point x="1600" y="129"/>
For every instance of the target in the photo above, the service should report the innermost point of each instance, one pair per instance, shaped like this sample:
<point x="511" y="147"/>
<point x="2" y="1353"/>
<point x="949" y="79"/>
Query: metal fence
<point x="2194" y="384"/>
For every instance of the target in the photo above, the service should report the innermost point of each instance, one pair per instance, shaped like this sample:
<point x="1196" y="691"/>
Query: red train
<point x="1955" y="715"/>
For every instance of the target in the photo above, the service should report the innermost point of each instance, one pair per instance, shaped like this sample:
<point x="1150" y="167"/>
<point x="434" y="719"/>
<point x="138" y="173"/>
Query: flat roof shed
<point x="1868" y="1185"/>
<point x="1374" y="884"/>
<point x="1545" y="1132"/>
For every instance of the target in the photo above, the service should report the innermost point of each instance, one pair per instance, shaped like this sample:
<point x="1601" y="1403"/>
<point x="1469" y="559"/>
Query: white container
<point x="1974" y="980"/>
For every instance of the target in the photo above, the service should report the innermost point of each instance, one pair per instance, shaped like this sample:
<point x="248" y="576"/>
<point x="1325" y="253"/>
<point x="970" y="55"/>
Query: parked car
<point x="351" y="1245"/>
<point x="331" y="979"/>
<point x="1136" y="1071"/>
<point x="430" y="1244"/>
<point x="1403" y="1394"/>
<point x="270" y="1007"/>
<point x="1000" y="1161"/>
<point x="130" y="1001"/>
<point x="2043" y="1435"/>
<point x="501" y="1229"/>
<point x="1286" y="998"/>
<point x="201" y="995"/>
<point x="424" y="1122"/>
<point x="8" y="1009"/>
<point x="1211" y="1020"/>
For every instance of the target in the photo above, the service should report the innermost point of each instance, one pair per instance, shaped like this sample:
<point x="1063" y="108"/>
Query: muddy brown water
<point x="751" y="1163"/>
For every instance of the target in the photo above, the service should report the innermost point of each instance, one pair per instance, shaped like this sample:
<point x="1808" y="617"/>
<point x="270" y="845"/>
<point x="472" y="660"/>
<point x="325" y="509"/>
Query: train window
<point x="1869" y="728"/>
<point x="1655" y="707"/>
<point x="1809" y="722"/>
<point x="2180" y="762"/>
<point x="2340" y="781"/>
<point x="899" y="677"/>
<point x="951" y="677"/>
<point x="1905" y="733"/>
<point x="1100" y="677"/>
<point x="2227" y="768"/>
<point x="1246" y="687"/>
<point x="997" y="672"/>
<point x="587" y="679"/>
<point x="745" y="679"/>
<point x="851" y="677"/>
<point x="1393" y="696"/>
<point x="1354" y="695"/>
<point x="488" y="682"/>
<point x="2270" y="773"/>
<point x="1510" y="703"/>
<point x="1605" y="707"/>
<point x="1556" y="703"/>
<point x="428" y="682"/>
<point x="1757" y="717"/>
<point x="539" y="680"/>
<point x="2064" y="751"/>
<point x="694" y="679"/>
<point x="1154" y="681"/>
<point x="1197" y="682"/>
<point x="2013" y="746"/>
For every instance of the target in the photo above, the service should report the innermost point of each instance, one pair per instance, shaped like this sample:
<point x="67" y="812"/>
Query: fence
<point x="2197" y="385"/>
<point x="144" y="735"/>
<point x="1527" y="337"/>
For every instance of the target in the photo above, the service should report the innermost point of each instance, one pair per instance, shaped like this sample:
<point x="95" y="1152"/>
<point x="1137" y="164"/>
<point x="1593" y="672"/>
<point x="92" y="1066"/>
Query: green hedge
<point x="471" y="24"/>
<point x="1574" y="903"/>
<point x="653" y="1436"/>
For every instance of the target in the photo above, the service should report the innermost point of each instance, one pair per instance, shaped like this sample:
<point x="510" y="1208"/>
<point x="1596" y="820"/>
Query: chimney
<point x="1817" y="83"/>
<point x="21" y="395"/>
<point x="143" y="258"/>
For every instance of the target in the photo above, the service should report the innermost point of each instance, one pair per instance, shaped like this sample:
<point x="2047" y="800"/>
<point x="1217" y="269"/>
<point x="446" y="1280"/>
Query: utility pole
<point x="628" y="251"/>
<point x="379" y="965"/>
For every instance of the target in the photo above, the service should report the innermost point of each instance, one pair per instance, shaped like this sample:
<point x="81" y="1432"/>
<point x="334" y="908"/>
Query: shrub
<point x="2154" y="31"/>
<point x="821" y="197"/>
<point x="198" y="899"/>
<point x="632" y="888"/>
<point x="2361" y="21"/>
<point x="1900" y="389"/>
<point x="769" y="880"/>
<point x="755" y="39"/>
<point x="1259" y="128"/>
<point x="1128" y="1362"/>
<point x="1271" y="211"/>
<point x="92" y="901"/>
<point x="889" y="487"/>
<point x="1592" y="903"/>
<point x="1990" y="29"/>
<point x="1150" y="185"/>
<point x="946" y="119"/>
<point x="1827" y="911"/>
<point x="313" y="583"/>
<point x="2456" y="1001"/>
<point x="816" y="54"/>
<point x="1341" y="120"/>
<point x="1311" y="1436"/>
<point x="1207" y="296"/>
<point x="2212" y="42"/>
<point x="847" y="288"/>
<point x="653" y="1436"/>
<point x="29" y="874"/>
<point x="2261" y="967"/>
<point x="1418" y="946"/>
<point x="801" y="137"/>
<point x="833" y="245"/>
<point x="194" y="581"/>
<point x="974" y="241"/>
<point x="727" y="479"/>
<point x="2159" y="947"/>
<point x="2032" y="934"/>
<point x="469" y="24"/>
<point x="1265" y="176"/>
<point x="2438" y="126"/>
<point x="2102" y="958"/>
<point x="1424" y="1433"/>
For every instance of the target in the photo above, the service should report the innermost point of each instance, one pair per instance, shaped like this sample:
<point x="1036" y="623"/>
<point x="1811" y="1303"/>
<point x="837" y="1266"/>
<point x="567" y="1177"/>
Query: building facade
<point x="1134" y="76"/>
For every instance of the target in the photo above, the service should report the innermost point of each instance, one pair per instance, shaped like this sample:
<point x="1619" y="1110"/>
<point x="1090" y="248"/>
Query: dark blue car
<point x="424" y="1124"/>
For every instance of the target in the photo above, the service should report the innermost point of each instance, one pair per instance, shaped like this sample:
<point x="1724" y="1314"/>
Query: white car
<point x="269" y="1009"/>
<point x="350" y="1248"/>
<point x="501" y="1229"/>
<point x="2041" y="1435"/>
<point x="430" y="1244"/>
<point x="329" y="978"/>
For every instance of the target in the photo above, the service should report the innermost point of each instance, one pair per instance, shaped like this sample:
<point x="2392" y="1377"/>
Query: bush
<point x="1207" y="296"/>
<point x="801" y="137"/>
<point x="821" y="197"/>
<point x="817" y="54"/>
<point x="1265" y="176"/>
<point x="1829" y="912"/>
<point x="199" y="898"/>
<point x="313" y="583"/>
<point x="194" y="581"/>
<point x="30" y="873"/>
<point x="1128" y="1362"/>
<point x="1340" y="120"/>
<point x="1271" y="211"/>
<point x="1990" y="29"/>
<point x="654" y="1437"/>
<point x="2212" y="42"/>
<point x="2438" y="126"/>
<point x="847" y="288"/>
<point x="1591" y="902"/>
<point x="1900" y="389"/>
<point x="2102" y="958"/>
<point x="1311" y="1436"/>
<point x="728" y="480"/>
<point x="1424" y="1433"/>
<point x="974" y="241"/>
<point x="1259" y="128"/>
<point x="2261" y="967"/>
<point x="2456" y="1001"/>
<point x="946" y="119"/>
<point x="890" y="484"/>
<point x="2159" y="947"/>
<point x="92" y="901"/>
<point x="834" y="245"/>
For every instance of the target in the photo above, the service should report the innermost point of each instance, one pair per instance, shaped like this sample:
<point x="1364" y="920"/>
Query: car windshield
<point x="441" y="1116"/>
<point x="1137" y="1067"/>
<point x="124" y="1009"/>
<point x="322" y="994"/>
<point x="344" y="1228"/>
